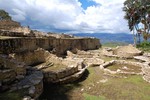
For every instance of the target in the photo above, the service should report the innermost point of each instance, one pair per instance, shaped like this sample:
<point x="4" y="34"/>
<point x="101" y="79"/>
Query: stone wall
<point x="10" y="70"/>
<point x="54" y="76"/>
<point x="25" y="30"/>
<point x="32" y="58"/>
<point x="56" y="46"/>
<point x="11" y="33"/>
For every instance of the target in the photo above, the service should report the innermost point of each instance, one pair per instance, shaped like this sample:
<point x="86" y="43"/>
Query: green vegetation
<point x="95" y="85"/>
<point x="4" y="15"/>
<point x="114" y="44"/>
<point x="145" y="46"/>
<point x="116" y="88"/>
<point x="129" y="68"/>
<point x="137" y="12"/>
<point x="16" y="95"/>
<point x="92" y="97"/>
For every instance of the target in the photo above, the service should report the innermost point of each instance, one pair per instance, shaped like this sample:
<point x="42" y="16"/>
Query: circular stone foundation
<point x="123" y="67"/>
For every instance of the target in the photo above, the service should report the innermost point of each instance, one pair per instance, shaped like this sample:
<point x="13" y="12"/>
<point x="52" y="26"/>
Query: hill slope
<point x="106" y="37"/>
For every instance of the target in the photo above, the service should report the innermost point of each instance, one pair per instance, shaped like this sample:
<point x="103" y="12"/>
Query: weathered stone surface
<point x="30" y="58"/>
<point x="16" y="45"/>
<point x="146" y="54"/>
<point x="72" y="77"/>
<point x="7" y="76"/>
<point x="8" y="24"/>
<point x="90" y="58"/>
<point x="146" y="73"/>
<point x="27" y="98"/>
<point x="127" y="51"/>
<point x="53" y="76"/>
<point x="34" y="83"/>
<point x="107" y="51"/>
<point x="62" y="74"/>
<point x="9" y="63"/>
<point x="122" y="62"/>
<point x="122" y="52"/>
<point x="93" y="61"/>
<point x="142" y="58"/>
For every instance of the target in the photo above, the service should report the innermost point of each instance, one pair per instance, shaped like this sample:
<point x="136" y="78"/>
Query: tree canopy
<point x="4" y="15"/>
<point x="137" y="13"/>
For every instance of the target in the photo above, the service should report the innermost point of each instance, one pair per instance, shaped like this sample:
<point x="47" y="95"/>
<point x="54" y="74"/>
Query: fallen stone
<point x="142" y="58"/>
<point x="26" y="98"/>
<point x="32" y="90"/>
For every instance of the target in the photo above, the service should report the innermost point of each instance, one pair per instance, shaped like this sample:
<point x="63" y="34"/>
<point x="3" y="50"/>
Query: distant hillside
<point x="106" y="37"/>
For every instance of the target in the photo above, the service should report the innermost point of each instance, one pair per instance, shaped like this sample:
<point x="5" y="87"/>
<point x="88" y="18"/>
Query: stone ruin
<point x="34" y="68"/>
<point x="122" y="52"/>
<point x="14" y="76"/>
<point x="29" y="57"/>
<point x="124" y="69"/>
<point x="128" y="52"/>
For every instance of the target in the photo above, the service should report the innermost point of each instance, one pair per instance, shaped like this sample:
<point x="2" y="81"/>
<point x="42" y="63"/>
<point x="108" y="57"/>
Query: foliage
<point x="137" y="13"/>
<point x="4" y="15"/>
<point x="145" y="46"/>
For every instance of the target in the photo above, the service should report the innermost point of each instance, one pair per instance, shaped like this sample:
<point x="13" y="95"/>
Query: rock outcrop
<point x="146" y="73"/>
<point x="122" y="52"/>
<point x="8" y="24"/>
<point x="127" y="51"/>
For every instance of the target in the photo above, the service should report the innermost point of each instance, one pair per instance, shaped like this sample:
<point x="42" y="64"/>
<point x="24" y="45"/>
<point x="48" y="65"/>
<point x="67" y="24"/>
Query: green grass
<point x="131" y="88"/>
<point x="114" y="44"/>
<point x="92" y="97"/>
<point x="90" y="87"/>
<point x="130" y="68"/>
<point x="16" y="95"/>
<point x="144" y="46"/>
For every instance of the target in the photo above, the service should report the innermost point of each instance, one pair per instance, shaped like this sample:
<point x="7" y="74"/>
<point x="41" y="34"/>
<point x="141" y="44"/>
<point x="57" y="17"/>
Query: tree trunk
<point x="134" y="37"/>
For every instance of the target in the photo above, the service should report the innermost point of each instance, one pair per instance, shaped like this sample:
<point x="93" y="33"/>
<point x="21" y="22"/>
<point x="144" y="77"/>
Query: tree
<point x="137" y="13"/>
<point x="4" y="15"/>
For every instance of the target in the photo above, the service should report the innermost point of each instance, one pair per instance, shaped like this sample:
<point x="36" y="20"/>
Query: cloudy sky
<point x="69" y="16"/>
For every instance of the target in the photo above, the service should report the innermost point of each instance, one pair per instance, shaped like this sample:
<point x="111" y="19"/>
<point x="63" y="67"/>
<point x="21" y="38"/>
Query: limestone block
<point x="7" y="75"/>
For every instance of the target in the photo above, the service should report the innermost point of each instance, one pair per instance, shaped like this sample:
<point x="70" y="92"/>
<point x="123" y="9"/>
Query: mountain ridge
<point x="107" y="37"/>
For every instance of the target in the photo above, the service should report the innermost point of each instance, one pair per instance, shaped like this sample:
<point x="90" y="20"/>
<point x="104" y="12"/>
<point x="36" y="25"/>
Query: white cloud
<point x="68" y="15"/>
<point x="106" y="17"/>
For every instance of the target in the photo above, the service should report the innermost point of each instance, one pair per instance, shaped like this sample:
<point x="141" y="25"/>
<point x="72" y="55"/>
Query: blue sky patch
<point x="87" y="3"/>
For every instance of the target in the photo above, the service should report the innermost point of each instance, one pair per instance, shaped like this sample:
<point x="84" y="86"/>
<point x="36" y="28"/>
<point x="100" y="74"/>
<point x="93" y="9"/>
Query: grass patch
<point x="16" y="95"/>
<point x="98" y="85"/>
<point x="131" y="88"/>
<point x="91" y="88"/>
<point x="144" y="46"/>
<point x="55" y="67"/>
<point x="92" y="97"/>
<point x="129" y="68"/>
